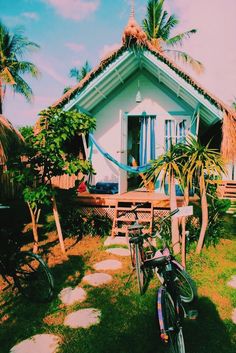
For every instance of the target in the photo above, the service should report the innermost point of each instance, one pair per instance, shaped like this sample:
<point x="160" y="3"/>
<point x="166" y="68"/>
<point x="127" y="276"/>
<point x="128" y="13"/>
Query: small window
<point x="170" y="137"/>
<point x="181" y="131"/>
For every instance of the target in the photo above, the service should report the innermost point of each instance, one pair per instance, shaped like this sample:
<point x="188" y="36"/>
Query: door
<point x="123" y="151"/>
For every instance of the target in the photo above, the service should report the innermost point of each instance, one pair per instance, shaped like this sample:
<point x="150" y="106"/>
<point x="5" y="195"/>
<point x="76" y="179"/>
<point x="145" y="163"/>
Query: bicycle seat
<point x="135" y="227"/>
<point x="155" y="261"/>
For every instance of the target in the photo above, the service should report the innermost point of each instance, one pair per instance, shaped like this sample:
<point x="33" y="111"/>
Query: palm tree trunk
<point x="174" y="221"/>
<point x="204" y="207"/>
<point x="183" y="226"/>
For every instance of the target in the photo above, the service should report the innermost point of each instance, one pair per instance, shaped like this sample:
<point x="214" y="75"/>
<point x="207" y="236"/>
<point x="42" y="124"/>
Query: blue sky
<point x="72" y="31"/>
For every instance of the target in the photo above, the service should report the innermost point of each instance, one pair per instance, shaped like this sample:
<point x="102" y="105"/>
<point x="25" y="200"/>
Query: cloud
<point x="75" y="47"/>
<point x="13" y="21"/>
<point x="30" y="15"/>
<point x="107" y="49"/>
<point x="74" y="9"/>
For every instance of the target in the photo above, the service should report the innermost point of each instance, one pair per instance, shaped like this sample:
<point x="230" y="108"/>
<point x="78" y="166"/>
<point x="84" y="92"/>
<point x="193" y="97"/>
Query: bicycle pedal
<point x="192" y="314"/>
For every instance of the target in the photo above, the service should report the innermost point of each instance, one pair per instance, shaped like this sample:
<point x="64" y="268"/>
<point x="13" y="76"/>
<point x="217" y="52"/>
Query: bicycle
<point x="142" y="249"/>
<point x="28" y="271"/>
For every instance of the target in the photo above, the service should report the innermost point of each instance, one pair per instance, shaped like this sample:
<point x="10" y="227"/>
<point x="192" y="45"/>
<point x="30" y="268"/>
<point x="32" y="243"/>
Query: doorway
<point x="134" y="127"/>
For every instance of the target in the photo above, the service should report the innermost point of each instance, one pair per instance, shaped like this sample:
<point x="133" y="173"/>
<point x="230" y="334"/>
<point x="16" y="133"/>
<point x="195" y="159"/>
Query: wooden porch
<point x="158" y="200"/>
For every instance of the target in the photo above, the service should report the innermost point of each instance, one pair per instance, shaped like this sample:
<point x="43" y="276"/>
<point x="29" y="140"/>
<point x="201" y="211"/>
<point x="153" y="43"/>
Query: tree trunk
<point x="1" y="98"/>
<point x="58" y="224"/>
<point x="34" y="229"/>
<point x="204" y="207"/>
<point x="183" y="226"/>
<point x="174" y="221"/>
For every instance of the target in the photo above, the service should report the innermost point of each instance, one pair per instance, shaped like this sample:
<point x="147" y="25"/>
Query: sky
<point x="70" y="32"/>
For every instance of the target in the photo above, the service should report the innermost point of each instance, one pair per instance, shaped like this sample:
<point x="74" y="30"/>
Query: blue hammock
<point x="137" y="170"/>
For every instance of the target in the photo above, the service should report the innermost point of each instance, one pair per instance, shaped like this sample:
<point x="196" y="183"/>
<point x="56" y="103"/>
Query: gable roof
<point x="134" y="39"/>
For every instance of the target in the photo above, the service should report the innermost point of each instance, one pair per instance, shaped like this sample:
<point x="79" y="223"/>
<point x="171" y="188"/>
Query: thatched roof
<point x="10" y="139"/>
<point x="134" y="36"/>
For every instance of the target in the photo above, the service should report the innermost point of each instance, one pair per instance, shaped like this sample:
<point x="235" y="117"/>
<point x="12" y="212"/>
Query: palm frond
<point x="185" y="58"/>
<point x="179" y="38"/>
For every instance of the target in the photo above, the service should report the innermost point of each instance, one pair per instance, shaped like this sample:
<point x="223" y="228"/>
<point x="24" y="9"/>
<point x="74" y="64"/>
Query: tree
<point x="167" y="167"/>
<point x="203" y="166"/>
<point x="79" y="74"/>
<point x="47" y="154"/>
<point x="13" y="47"/>
<point x="158" y="26"/>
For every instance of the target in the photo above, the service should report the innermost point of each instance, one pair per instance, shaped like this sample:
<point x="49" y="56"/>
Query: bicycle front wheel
<point x="185" y="285"/>
<point x="171" y="331"/>
<point x="32" y="277"/>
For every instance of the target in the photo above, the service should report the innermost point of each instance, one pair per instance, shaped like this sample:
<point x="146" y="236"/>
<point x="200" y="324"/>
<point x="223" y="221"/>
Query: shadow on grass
<point x="128" y="325"/>
<point x="20" y="318"/>
<point x="208" y="334"/>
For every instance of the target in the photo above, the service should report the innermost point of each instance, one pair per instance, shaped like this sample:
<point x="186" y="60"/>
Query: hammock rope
<point x="139" y="169"/>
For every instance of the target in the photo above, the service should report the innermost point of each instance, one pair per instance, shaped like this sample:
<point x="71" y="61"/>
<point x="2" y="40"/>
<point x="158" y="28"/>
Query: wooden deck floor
<point x="159" y="200"/>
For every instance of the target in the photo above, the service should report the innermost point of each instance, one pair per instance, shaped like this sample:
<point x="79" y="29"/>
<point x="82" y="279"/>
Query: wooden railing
<point x="227" y="189"/>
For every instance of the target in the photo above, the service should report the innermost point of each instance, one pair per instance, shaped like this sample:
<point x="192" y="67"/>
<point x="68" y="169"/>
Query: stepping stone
<point x="118" y="251"/>
<point x="108" y="265"/>
<point x="97" y="279"/>
<point x="69" y="296"/>
<point x="232" y="282"/>
<point x="116" y="241"/>
<point x="82" y="318"/>
<point x="234" y="316"/>
<point x="44" y="343"/>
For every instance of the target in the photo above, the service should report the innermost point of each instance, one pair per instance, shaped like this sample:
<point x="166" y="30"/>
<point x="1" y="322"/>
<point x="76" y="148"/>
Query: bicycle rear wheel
<point x="32" y="277"/>
<point x="142" y="273"/>
<point x="171" y="331"/>
<point x="186" y="287"/>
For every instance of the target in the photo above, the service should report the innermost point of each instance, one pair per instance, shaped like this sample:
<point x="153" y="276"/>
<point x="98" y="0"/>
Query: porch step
<point x="124" y="217"/>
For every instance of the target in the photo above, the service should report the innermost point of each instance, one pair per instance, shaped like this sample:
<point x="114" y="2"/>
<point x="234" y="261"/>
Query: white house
<point x="142" y="99"/>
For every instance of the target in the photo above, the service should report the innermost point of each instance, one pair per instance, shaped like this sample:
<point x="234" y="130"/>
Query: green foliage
<point x="38" y="196"/>
<point x="158" y="26"/>
<point x="98" y="225"/>
<point x="216" y="211"/>
<point x="47" y="154"/>
<point x="13" y="47"/>
<point x="75" y="223"/>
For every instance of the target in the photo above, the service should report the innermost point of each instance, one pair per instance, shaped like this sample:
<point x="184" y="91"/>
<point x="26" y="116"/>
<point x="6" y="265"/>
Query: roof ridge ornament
<point x="133" y="32"/>
<point x="132" y="12"/>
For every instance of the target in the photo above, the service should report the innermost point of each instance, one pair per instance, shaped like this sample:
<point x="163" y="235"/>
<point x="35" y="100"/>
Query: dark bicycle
<point x="177" y="287"/>
<point x="25" y="270"/>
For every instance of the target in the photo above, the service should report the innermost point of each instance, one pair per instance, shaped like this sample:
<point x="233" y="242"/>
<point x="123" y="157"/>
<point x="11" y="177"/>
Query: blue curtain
<point x="147" y="142"/>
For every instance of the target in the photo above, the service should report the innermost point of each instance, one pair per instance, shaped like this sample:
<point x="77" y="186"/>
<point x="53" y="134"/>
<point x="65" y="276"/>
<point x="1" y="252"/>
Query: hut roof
<point x="134" y="37"/>
<point x="10" y="139"/>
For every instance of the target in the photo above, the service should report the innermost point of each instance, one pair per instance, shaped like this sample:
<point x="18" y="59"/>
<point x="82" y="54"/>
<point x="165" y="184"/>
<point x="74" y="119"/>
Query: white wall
<point x="108" y="130"/>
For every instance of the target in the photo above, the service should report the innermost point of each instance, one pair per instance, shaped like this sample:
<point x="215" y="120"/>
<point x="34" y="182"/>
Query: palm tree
<point x="168" y="167"/>
<point x="158" y="26"/>
<point x="79" y="74"/>
<point x="203" y="165"/>
<point x="12" y="67"/>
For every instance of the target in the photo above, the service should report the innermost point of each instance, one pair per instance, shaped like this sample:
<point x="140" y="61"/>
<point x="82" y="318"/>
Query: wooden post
<point x="58" y="224"/>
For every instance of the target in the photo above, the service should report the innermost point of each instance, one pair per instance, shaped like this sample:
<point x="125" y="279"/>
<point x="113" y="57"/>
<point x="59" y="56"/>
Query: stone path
<point x="108" y="265"/>
<point x="232" y="283"/>
<point x="44" y="343"/>
<point x="118" y="251"/>
<point x="83" y="318"/>
<point x="97" y="279"/>
<point x="70" y="296"/>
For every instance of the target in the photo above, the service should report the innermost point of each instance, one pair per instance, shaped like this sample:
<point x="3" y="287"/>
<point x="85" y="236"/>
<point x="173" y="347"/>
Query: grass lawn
<point x="128" y="323"/>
